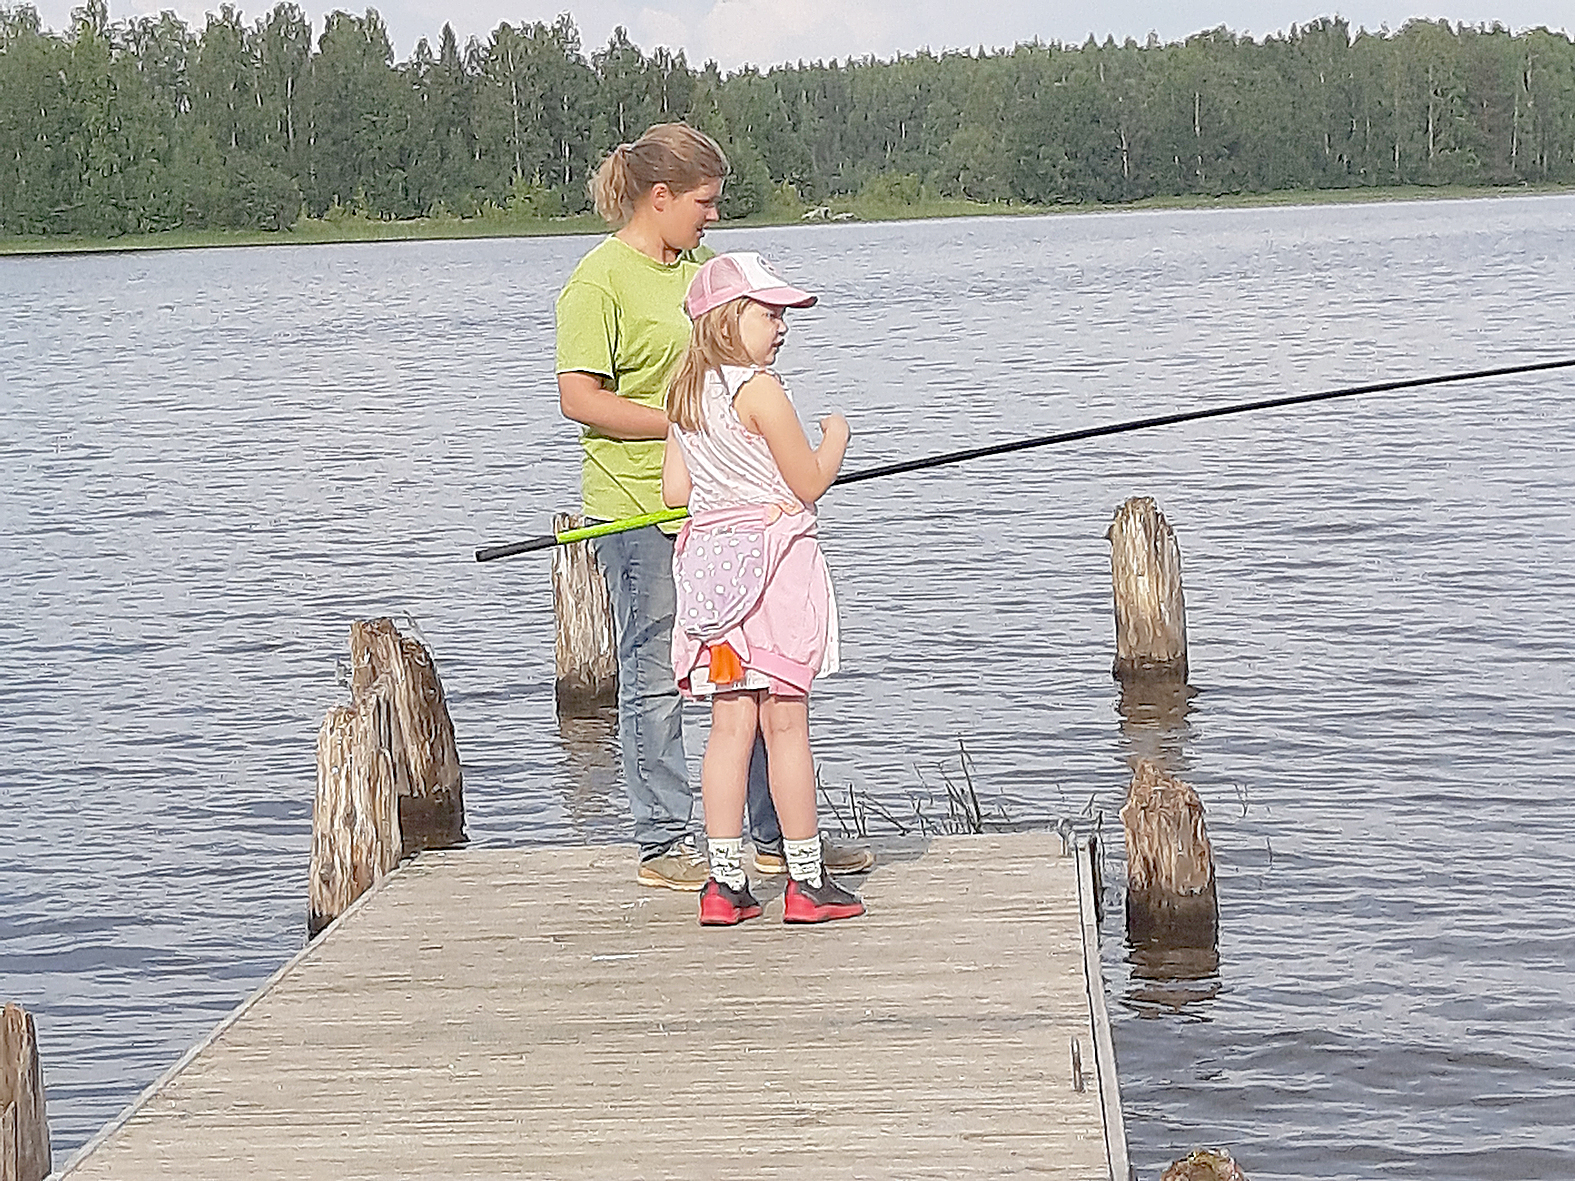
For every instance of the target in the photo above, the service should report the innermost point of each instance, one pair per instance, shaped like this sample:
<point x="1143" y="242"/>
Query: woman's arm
<point x="583" y="398"/>
<point x="764" y="407"/>
<point x="676" y="485"/>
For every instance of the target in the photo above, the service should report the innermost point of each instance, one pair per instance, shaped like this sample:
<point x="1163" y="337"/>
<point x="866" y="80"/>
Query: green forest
<point x="112" y="128"/>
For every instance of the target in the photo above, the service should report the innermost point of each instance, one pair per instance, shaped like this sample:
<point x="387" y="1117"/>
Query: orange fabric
<point x="726" y="667"/>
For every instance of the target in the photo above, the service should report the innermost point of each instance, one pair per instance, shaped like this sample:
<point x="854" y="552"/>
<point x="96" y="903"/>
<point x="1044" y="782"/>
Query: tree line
<point x="144" y="125"/>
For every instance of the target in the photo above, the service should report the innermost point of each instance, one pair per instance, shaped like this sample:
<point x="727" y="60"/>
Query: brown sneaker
<point x="840" y="860"/>
<point x="680" y="868"/>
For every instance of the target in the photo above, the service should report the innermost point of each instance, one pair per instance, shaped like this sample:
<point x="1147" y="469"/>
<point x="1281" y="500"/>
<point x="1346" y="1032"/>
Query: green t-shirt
<point x="621" y="317"/>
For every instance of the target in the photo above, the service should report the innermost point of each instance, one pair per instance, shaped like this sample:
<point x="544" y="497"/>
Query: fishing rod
<point x="1094" y="432"/>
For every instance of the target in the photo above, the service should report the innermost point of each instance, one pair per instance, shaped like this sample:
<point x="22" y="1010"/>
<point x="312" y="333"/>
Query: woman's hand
<point x="584" y="399"/>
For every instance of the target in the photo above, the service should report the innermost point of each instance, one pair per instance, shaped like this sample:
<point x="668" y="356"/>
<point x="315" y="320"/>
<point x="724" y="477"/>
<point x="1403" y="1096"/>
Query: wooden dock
<point x="534" y="1013"/>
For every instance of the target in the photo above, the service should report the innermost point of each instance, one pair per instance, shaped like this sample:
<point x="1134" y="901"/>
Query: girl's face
<point x="761" y="331"/>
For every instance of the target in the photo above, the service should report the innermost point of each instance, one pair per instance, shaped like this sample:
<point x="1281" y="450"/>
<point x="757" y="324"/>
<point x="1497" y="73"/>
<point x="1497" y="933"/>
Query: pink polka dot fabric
<point x="754" y="578"/>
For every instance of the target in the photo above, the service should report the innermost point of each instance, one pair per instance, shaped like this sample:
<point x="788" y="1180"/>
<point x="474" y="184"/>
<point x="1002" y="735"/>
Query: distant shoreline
<point x="840" y="211"/>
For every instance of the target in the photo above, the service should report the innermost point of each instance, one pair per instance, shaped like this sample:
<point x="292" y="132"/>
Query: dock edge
<point x="156" y="1087"/>
<point x="1099" y="1016"/>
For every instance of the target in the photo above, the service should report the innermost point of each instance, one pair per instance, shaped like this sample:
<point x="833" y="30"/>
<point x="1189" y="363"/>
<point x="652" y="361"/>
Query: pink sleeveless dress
<point x="755" y="605"/>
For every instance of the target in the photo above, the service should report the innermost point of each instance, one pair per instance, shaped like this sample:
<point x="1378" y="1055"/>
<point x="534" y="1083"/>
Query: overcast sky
<point x="768" y="32"/>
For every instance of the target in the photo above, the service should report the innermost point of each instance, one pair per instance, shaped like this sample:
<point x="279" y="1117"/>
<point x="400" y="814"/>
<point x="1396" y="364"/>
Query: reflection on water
<point x="589" y="737"/>
<point x="211" y="462"/>
<point x="1174" y="981"/>
<point x="1154" y="726"/>
<point x="1154" y="961"/>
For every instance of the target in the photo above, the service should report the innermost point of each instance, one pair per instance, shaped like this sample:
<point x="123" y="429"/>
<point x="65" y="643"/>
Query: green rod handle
<point x="583" y="533"/>
<point x="586" y="532"/>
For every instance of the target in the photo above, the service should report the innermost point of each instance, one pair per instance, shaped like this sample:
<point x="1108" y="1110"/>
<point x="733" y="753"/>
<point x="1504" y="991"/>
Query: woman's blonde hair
<point x="671" y="154"/>
<point x="714" y="341"/>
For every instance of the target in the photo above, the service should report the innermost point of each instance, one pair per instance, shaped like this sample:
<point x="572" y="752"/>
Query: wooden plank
<point x="507" y="1013"/>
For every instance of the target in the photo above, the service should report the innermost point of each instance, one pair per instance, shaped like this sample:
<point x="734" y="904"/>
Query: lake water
<point x="210" y="462"/>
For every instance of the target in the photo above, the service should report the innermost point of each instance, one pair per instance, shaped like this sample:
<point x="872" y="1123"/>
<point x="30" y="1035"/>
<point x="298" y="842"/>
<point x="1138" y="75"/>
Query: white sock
<point x="803" y="860"/>
<point x="727" y="861"/>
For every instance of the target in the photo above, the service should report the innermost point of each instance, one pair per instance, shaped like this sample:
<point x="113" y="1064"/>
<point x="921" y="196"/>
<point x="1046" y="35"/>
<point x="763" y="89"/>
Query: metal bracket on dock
<point x="1104" y="1045"/>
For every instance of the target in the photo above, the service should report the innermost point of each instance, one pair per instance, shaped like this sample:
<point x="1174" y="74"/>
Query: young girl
<point x="756" y="621"/>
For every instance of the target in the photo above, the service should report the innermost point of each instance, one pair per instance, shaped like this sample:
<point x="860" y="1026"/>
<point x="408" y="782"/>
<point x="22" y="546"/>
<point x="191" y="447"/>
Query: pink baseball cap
<point x="744" y="273"/>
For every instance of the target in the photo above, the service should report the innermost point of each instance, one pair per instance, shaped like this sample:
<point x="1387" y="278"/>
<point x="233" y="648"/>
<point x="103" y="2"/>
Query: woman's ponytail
<point x="610" y="187"/>
<point x="673" y="154"/>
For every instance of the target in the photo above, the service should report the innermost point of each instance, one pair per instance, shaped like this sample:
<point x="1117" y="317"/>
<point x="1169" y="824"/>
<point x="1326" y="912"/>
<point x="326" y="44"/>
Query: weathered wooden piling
<point x="1206" y="1164"/>
<point x="431" y="807"/>
<point x="1145" y="574"/>
<point x="1171" y="897"/>
<point x="355" y="818"/>
<point x="388" y="771"/>
<point x="586" y="649"/>
<point x="24" y="1129"/>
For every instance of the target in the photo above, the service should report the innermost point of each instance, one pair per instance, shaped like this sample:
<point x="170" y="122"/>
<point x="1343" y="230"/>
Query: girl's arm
<point x="764" y="407"/>
<point x="676" y="485"/>
<point x="583" y="398"/>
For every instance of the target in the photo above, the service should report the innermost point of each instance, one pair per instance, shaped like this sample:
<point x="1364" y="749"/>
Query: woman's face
<point x="761" y="330"/>
<point x="682" y="218"/>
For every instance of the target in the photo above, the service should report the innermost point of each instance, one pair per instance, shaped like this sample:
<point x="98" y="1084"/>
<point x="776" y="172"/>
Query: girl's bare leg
<point x="724" y="772"/>
<point x="784" y="722"/>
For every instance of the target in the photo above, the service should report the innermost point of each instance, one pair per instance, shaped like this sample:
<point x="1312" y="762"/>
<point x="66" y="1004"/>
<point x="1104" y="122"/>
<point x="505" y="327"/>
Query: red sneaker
<point x="723" y="906"/>
<point x="803" y="903"/>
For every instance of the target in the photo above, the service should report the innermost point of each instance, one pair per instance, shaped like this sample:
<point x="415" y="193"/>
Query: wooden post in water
<point x="1151" y="616"/>
<point x="388" y="772"/>
<point x="1172" y="905"/>
<point x="426" y="759"/>
<point x="1206" y="1164"/>
<point x="586" y="649"/>
<point x="355" y="818"/>
<point x="24" y="1129"/>
<point x="1171" y="897"/>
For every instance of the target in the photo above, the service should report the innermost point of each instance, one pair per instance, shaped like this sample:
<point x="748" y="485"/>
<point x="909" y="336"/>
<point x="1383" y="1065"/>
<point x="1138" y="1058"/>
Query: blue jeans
<point x="638" y="564"/>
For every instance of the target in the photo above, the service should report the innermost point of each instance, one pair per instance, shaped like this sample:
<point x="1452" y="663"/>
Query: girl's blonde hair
<point x="671" y="154"/>
<point x="714" y="341"/>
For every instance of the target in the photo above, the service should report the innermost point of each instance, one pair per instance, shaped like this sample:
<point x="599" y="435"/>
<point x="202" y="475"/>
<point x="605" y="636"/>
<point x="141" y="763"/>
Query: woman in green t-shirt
<point x="621" y="333"/>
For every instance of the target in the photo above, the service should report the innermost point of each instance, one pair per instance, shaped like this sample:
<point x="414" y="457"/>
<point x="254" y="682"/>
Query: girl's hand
<point x="764" y="408"/>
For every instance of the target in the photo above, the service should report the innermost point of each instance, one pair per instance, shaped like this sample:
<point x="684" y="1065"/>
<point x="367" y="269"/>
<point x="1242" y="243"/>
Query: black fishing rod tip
<point x="493" y="553"/>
